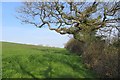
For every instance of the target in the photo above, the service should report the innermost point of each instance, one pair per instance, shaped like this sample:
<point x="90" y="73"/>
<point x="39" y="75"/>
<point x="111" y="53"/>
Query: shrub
<point x="75" y="46"/>
<point x="102" y="58"/>
<point x="98" y="56"/>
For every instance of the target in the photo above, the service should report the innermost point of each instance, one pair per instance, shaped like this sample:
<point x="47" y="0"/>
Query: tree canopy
<point x="81" y="19"/>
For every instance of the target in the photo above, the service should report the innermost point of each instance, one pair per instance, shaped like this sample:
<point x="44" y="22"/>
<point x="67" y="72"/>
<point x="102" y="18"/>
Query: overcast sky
<point x="14" y="31"/>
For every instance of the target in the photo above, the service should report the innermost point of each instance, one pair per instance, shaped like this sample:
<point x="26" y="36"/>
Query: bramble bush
<point x="102" y="58"/>
<point x="98" y="56"/>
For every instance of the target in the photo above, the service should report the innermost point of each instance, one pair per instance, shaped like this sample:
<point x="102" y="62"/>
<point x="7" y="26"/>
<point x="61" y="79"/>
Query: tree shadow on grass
<point x="25" y="71"/>
<point x="47" y="73"/>
<point x="75" y="66"/>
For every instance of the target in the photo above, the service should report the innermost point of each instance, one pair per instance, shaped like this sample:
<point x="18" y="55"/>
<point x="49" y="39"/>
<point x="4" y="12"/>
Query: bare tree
<point x="81" y="19"/>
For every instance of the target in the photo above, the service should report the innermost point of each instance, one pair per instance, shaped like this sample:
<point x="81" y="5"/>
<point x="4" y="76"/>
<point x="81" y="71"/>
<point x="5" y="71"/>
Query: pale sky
<point x="14" y="31"/>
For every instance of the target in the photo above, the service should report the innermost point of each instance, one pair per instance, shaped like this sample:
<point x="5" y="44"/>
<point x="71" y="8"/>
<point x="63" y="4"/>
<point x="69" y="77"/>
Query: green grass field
<point x="28" y="61"/>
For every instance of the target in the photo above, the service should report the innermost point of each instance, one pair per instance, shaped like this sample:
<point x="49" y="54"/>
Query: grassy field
<point x="28" y="61"/>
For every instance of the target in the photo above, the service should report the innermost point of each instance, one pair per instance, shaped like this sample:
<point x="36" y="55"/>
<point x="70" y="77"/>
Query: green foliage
<point x="75" y="46"/>
<point x="27" y="61"/>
